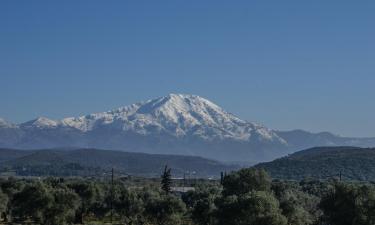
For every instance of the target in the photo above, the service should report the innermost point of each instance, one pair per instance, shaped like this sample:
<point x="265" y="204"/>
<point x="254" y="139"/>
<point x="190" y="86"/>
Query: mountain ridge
<point x="185" y="112"/>
<point x="174" y="124"/>
<point x="95" y="162"/>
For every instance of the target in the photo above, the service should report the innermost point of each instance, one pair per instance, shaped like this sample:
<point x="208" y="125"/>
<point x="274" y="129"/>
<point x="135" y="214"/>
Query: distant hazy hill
<point x="174" y="124"/>
<point x="325" y="162"/>
<point x="300" y="139"/>
<point x="95" y="162"/>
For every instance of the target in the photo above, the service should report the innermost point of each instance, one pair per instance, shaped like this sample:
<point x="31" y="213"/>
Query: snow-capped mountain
<point x="176" y="115"/>
<point x="5" y="124"/>
<point x="174" y="124"/>
<point x="40" y="123"/>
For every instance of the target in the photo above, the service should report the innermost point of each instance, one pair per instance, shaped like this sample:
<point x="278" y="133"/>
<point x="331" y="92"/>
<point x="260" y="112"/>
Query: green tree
<point x="89" y="195"/>
<point x="202" y="204"/>
<point x="10" y="187"/>
<point x="33" y="202"/>
<point x="256" y="207"/>
<point x="129" y="206"/>
<point x="339" y="205"/>
<point x="3" y="203"/>
<point x="349" y="204"/>
<point x="365" y="205"/>
<point x="247" y="199"/>
<point x="46" y="205"/>
<point x="164" y="210"/>
<point x="299" y="207"/>
<point x="166" y="180"/>
<point x="63" y="208"/>
<point x="246" y="180"/>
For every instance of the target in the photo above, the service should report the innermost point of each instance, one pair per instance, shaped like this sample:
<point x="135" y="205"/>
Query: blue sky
<point x="286" y="64"/>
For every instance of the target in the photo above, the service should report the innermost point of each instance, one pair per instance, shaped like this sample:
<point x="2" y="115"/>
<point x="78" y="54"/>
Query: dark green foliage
<point x="3" y="203"/>
<point x="255" y="207"/>
<point x="47" y="205"/>
<point x="247" y="197"/>
<point x="325" y="163"/>
<point x="33" y="201"/>
<point x="128" y="205"/>
<point x="63" y="208"/>
<point x="300" y="208"/>
<point x="202" y="204"/>
<point x="164" y="209"/>
<point x="10" y="187"/>
<point x="246" y="180"/>
<point x="91" y="195"/>
<point x="166" y="180"/>
<point x="349" y="204"/>
<point x="316" y="187"/>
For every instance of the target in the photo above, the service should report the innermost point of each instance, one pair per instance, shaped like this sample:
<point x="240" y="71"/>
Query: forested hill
<point x="324" y="163"/>
<point x="87" y="162"/>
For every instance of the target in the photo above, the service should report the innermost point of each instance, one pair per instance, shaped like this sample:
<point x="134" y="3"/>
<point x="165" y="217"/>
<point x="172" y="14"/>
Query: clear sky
<point x="286" y="64"/>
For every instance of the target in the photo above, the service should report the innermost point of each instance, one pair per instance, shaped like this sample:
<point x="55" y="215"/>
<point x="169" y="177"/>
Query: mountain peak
<point x="5" y="124"/>
<point x="179" y="115"/>
<point x="186" y="98"/>
<point x="178" y="99"/>
<point x="179" y="95"/>
<point x="175" y="123"/>
<point x="177" y="104"/>
<point x="41" y="122"/>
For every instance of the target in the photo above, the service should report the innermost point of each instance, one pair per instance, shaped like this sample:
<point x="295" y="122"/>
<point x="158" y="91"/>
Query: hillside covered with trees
<point x="95" y="162"/>
<point x="350" y="163"/>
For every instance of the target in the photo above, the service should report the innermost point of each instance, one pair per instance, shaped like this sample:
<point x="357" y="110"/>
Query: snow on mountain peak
<point x="177" y="115"/>
<point x="41" y="122"/>
<point x="5" y="124"/>
<point x="182" y="108"/>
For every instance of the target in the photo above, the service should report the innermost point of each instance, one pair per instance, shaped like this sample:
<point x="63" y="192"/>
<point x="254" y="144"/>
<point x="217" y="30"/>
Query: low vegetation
<point x="246" y="197"/>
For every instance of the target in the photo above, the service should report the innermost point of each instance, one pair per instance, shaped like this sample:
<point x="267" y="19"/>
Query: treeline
<point x="246" y="197"/>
